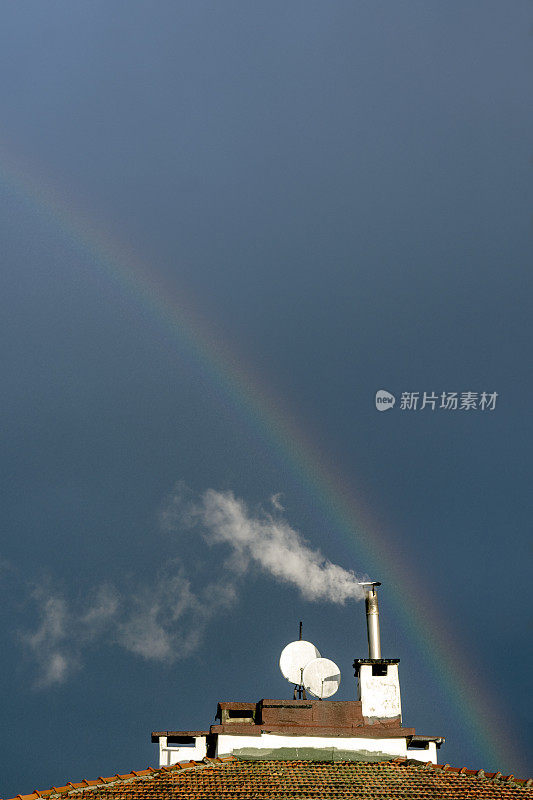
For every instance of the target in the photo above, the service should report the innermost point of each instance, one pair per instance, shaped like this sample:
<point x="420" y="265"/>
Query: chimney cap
<point x="384" y="662"/>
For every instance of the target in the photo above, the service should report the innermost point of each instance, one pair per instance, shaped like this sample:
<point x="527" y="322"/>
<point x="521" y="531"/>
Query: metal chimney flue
<point x="372" y="618"/>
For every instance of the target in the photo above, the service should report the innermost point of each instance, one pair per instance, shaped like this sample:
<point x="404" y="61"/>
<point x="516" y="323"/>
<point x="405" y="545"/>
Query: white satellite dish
<point x="294" y="658"/>
<point x="321" y="677"/>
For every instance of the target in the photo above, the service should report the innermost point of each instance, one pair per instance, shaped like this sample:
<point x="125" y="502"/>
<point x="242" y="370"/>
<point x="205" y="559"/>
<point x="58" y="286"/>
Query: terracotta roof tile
<point x="234" y="779"/>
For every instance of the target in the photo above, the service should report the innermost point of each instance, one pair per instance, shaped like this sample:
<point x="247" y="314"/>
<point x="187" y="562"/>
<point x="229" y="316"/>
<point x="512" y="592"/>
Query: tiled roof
<point x="234" y="779"/>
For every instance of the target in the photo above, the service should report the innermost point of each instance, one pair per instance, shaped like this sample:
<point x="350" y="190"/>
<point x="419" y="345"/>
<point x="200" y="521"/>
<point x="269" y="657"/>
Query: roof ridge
<point x="494" y="777"/>
<point x="76" y="787"/>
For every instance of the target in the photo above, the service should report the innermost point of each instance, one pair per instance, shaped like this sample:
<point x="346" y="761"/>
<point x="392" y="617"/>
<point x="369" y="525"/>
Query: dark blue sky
<point x="342" y="191"/>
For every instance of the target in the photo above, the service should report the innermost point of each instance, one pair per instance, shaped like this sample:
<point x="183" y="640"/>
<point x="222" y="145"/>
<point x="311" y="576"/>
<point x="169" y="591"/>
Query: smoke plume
<point x="167" y="618"/>
<point x="267" y="540"/>
<point x="165" y="622"/>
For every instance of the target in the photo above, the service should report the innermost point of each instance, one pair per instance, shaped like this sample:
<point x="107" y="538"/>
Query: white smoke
<point x="275" y="502"/>
<point x="164" y="622"/>
<point x="167" y="619"/>
<point x="271" y="543"/>
<point x="49" y="644"/>
<point x="62" y="633"/>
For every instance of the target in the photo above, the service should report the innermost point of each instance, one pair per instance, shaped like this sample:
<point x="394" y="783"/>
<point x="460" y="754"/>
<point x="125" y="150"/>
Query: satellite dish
<point x="295" y="657"/>
<point x="321" y="677"/>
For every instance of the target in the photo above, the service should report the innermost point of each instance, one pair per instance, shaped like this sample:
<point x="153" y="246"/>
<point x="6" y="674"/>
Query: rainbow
<point x="350" y="519"/>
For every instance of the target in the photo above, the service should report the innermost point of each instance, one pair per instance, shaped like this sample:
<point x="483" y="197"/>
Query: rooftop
<point x="236" y="779"/>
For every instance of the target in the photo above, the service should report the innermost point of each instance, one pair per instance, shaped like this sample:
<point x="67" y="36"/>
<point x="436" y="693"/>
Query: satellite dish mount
<point x="299" y="688"/>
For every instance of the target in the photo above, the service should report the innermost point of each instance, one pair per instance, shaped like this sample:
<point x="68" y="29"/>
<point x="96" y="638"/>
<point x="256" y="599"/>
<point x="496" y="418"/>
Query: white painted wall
<point x="379" y="694"/>
<point x="171" y="754"/>
<point x="428" y="754"/>
<point x="226" y="744"/>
